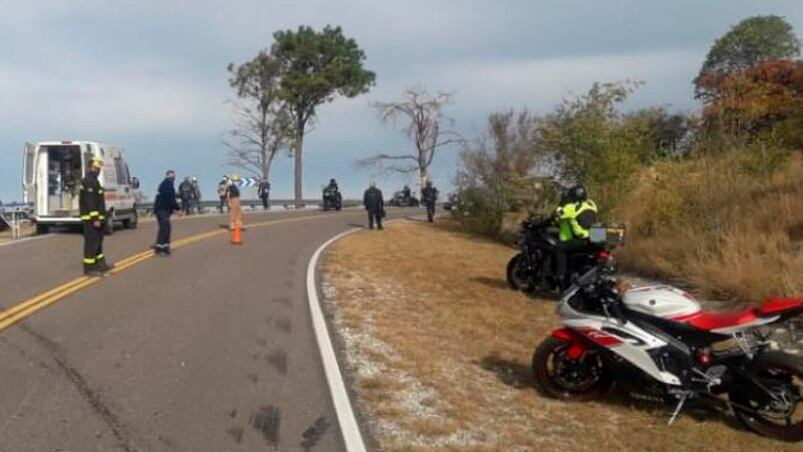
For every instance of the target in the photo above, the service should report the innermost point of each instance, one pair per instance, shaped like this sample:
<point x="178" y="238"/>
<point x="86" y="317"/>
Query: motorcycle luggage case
<point x="612" y="234"/>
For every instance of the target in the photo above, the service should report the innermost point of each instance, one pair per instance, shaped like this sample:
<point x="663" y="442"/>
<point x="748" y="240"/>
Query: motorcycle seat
<point x="775" y="306"/>
<point x="710" y="321"/>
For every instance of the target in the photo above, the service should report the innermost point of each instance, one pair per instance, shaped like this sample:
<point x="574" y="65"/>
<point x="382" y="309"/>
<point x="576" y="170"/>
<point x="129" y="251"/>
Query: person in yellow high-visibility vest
<point x="575" y="216"/>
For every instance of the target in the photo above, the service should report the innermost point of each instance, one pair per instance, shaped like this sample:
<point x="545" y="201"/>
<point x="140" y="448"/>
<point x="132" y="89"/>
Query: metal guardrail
<point x="255" y="204"/>
<point x="12" y="216"/>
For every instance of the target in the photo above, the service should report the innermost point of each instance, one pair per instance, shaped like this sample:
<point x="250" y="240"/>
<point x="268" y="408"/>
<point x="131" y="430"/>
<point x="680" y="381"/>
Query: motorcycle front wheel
<point x="781" y="418"/>
<point x="518" y="273"/>
<point x="562" y="377"/>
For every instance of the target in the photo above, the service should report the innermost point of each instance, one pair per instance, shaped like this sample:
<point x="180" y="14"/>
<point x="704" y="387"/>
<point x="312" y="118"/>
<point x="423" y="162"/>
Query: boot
<point x="103" y="266"/>
<point x="92" y="270"/>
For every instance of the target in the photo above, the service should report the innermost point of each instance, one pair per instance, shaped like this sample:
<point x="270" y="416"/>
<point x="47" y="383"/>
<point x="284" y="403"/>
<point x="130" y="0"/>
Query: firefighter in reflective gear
<point x="575" y="217"/>
<point x="93" y="215"/>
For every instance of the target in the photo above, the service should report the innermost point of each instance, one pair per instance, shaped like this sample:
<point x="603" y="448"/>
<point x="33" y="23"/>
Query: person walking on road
<point x="429" y="196"/>
<point x="375" y="205"/>
<point x="164" y="207"/>
<point x="264" y="192"/>
<point x="233" y="200"/>
<point x="92" y="206"/>
<point x="222" y="187"/>
<point x="185" y="193"/>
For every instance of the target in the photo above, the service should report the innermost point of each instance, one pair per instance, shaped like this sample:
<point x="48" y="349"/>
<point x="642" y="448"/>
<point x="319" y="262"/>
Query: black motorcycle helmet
<point x="578" y="193"/>
<point x="332" y="182"/>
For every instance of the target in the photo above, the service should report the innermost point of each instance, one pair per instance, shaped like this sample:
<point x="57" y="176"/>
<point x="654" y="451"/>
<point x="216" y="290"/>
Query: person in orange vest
<point x="233" y="200"/>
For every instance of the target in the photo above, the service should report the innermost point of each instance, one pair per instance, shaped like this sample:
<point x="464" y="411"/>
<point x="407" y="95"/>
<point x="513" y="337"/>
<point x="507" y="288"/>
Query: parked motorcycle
<point x="533" y="269"/>
<point x="657" y="344"/>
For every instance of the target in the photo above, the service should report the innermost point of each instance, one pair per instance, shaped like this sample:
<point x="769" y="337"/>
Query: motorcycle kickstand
<point x="675" y="414"/>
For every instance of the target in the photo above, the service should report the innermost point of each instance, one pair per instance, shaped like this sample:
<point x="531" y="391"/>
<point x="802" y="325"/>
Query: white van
<point x="51" y="178"/>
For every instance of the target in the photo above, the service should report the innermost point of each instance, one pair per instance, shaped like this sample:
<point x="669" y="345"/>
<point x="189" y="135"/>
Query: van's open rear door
<point x="28" y="173"/>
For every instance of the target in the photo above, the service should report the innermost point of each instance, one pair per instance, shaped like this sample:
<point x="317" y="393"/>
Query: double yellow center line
<point x="28" y="307"/>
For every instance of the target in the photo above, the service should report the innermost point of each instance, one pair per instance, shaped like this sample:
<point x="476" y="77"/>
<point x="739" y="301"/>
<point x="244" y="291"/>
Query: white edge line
<point x="26" y="239"/>
<point x="352" y="437"/>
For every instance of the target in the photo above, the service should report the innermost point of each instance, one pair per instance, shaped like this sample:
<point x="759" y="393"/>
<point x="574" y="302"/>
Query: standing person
<point x="375" y="205"/>
<point x="164" y="207"/>
<point x="222" y="188"/>
<point x="233" y="199"/>
<point x="185" y="192"/>
<point x="264" y="192"/>
<point x="430" y="196"/>
<point x="92" y="206"/>
<point x="196" y="195"/>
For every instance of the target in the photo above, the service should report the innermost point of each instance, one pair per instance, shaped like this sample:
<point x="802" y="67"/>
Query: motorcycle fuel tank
<point x="661" y="301"/>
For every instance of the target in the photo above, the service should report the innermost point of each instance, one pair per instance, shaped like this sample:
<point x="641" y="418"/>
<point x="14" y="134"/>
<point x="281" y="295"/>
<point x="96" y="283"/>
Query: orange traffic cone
<point x="236" y="238"/>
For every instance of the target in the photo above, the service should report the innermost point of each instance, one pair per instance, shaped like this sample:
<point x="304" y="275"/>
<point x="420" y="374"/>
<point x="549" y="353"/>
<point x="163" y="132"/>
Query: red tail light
<point x="704" y="358"/>
<point x="603" y="256"/>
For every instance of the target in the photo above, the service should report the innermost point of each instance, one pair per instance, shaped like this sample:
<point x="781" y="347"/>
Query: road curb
<point x="349" y="428"/>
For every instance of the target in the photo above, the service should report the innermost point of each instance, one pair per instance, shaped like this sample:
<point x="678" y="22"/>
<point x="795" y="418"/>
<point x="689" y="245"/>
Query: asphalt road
<point x="208" y="350"/>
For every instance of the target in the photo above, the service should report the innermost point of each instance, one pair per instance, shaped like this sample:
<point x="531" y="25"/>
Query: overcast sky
<point x="150" y="75"/>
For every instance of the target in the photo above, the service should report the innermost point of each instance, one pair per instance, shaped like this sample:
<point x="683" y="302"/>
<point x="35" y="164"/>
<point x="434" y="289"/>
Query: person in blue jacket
<point x="164" y="207"/>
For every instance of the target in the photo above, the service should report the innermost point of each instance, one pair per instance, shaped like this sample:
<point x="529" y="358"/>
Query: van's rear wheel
<point x="108" y="225"/>
<point x="42" y="228"/>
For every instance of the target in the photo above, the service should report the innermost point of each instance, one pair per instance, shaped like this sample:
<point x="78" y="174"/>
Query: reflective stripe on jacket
<point x="91" y="201"/>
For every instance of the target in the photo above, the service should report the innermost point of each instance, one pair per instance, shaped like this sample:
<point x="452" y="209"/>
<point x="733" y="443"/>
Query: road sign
<point x="248" y="182"/>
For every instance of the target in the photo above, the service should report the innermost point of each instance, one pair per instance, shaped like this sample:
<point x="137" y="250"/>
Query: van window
<point x="119" y="167"/>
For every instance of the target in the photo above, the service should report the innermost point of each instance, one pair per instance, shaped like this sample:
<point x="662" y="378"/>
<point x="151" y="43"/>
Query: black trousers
<point x="93" y="245"/>
<point x="186" y="205"/>
<point x="564" y="250"/>
<point x="430" y="211"/>
<point x="163" y="236"/>
<point x="222" y="203"/>
<point x="264" y="201"/>
<point x="375" y="216"/>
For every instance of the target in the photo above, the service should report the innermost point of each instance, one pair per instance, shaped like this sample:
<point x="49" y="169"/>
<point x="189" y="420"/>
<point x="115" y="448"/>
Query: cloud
<point x="108" y="100"/>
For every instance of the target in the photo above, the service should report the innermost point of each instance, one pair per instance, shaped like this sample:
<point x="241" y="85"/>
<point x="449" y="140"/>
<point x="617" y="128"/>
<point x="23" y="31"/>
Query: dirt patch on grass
<point x="439" y="351"/>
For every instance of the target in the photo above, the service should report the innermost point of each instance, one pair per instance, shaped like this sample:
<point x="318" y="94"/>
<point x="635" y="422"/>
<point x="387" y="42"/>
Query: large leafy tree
<point x="316" y="68"/>
<point x="764" y="101"/>
<point x="757" y="39"/>
<point x="262" y="121"/>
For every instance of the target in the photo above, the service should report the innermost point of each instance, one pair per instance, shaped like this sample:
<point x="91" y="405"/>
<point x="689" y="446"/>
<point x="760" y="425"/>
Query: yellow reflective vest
<point x="570" y="222"/>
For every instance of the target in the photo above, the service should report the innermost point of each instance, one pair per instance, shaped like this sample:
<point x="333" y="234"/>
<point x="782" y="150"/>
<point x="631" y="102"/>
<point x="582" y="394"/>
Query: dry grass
<point x="732" y="233"/>
<point x="440" y="351"/>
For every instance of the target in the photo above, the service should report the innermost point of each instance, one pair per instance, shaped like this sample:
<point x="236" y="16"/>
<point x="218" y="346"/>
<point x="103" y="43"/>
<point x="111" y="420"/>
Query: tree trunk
<point x="299" y="195"/>
<point x="423" y="174"/>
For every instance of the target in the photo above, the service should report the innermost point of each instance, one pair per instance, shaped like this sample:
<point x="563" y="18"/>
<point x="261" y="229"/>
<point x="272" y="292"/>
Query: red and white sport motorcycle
<point x="657" y="344"/>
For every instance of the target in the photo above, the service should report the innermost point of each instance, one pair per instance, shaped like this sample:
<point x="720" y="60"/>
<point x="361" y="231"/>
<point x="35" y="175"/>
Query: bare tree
<point x="262" y="124"/>
<point x="424" y="124"/>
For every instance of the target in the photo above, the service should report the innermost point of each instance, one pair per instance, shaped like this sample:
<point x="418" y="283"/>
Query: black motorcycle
<point x="332" y="199"/>
<point x="534" y="268"/>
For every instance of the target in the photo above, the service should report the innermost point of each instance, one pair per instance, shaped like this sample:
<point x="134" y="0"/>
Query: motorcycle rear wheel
<point x="775" y="422"/>
<point x="518" y="274"/>
<point x="561" y="377"/>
